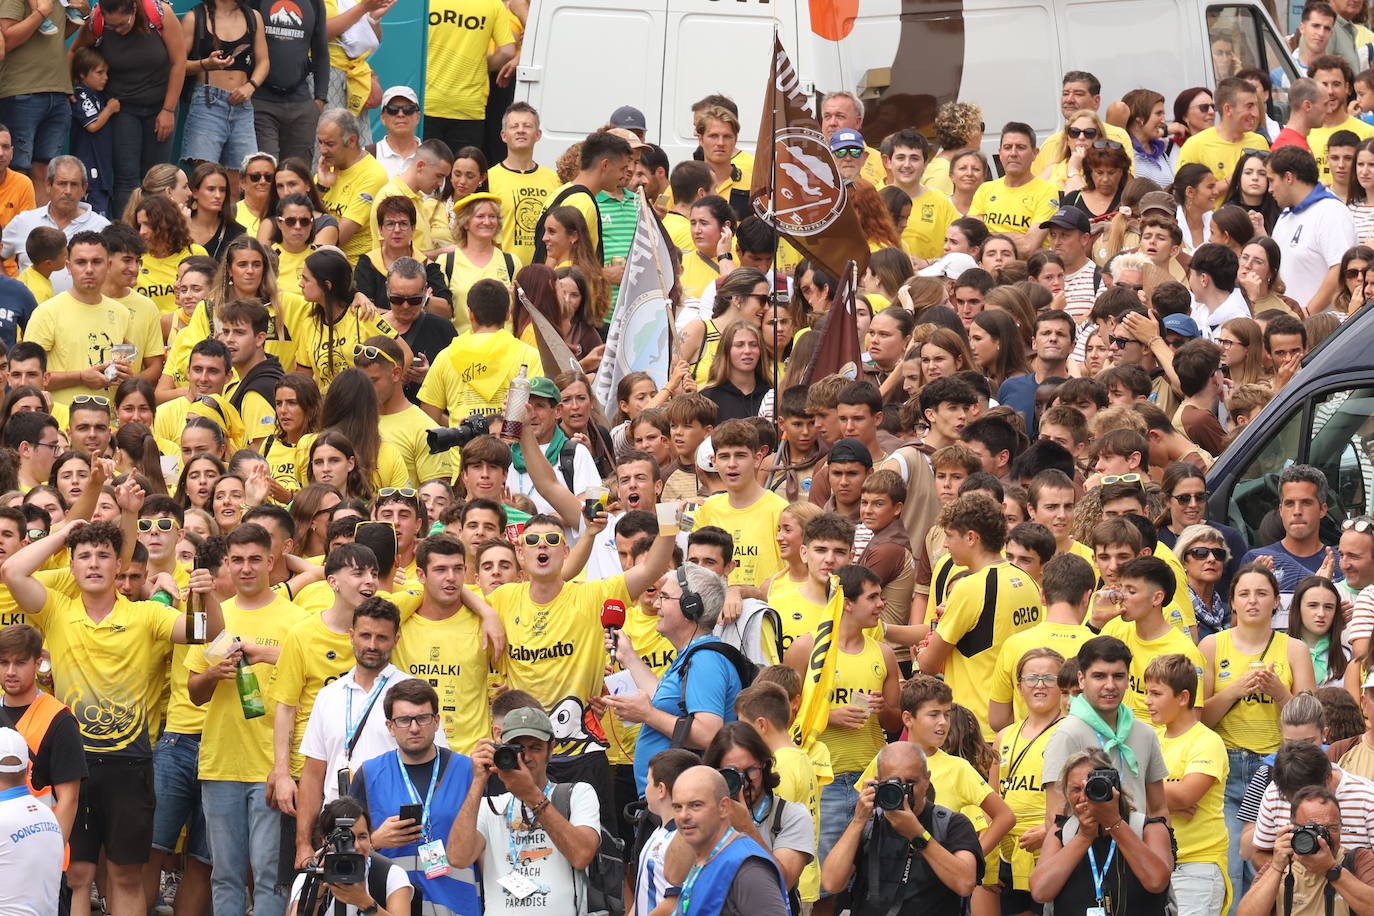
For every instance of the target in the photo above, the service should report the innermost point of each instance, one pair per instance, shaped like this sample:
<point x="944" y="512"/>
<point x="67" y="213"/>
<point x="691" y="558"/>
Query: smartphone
<point x="412" y="812"/>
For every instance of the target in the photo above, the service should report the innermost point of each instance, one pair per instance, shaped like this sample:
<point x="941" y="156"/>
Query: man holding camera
<point x="914" y="857"/>
<point x="1310" y="872"/>
<point x="1298" y="766"/>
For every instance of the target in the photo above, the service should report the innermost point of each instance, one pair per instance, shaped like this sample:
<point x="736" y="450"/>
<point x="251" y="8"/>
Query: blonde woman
<point x="1082" y="130"/>
<point x="476" y="224"/>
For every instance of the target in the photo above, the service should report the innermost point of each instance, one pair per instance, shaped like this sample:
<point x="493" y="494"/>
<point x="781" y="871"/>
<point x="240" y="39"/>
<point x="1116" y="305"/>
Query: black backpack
<point x="745" y="668"/>
<point x="606" y="873"/>
<point x="379" y="866"/>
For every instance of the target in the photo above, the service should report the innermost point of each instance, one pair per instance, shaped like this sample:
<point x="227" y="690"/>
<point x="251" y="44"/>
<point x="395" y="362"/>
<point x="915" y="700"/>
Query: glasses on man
<point x="848" y="153"/>
<point x="395" y="110"/>
<point x="161" y="524"/>
<point x="407" y="300"/>
<point x="423" y="720"/>
<point x="552" y="538"/>
<point x="1362" y="523"/>
<point x="1120" y="342"/>
<point x="257" y="177"/>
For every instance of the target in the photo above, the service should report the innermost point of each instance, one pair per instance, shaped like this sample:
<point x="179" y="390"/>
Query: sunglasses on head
<point x="404" y="492"/>
<point x="1263" y="154"/>
<point x="848" y="153"/>
<point x="401" y="109"/>
<point x="372" y="353"/>
<point x="1136" y="479"/>
<point x="1086" y="133"/>
<point x="552" y="538"/>
<point x="1362" y="523"/>
<point x="161" y="524"/>
<point x="97" y="399"/>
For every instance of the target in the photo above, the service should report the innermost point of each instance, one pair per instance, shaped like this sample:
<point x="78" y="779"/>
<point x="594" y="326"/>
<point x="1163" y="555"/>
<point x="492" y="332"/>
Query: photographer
<point x="1297" y="766"/>
<point x="1102" y="855"/>
<point x="916" y="857"/>
<point x="358" y="897"/>
<point x="1309" y="871"/>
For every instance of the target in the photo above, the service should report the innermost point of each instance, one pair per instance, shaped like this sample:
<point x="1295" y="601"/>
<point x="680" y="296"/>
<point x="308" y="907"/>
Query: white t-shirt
<point x="1312" y="242"/>
<point x="651" y="884"/>
<point x="562" y="888"/>
<point x="396" y="879"/>
<point x="31" y="846"/>
<point x="392" y="161"/>
<point x="1209" y="323"/>
<point x="327" y="731"/>
<point x="584" y="475"/>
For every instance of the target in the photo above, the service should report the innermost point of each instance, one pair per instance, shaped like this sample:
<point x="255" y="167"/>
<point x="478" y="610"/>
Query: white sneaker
<point x="47" y="27"/>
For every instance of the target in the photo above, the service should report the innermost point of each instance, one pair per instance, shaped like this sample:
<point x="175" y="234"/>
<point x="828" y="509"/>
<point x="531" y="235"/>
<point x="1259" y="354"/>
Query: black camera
<point x="341" y="862"/>
<point x="734" y="780"/>
<point x="441" y="440"/>
<point x="1100" y="784"/>
<point x="1304" y="840"/>
<point x="891" y="794"/>
<point x="507" y="756"/>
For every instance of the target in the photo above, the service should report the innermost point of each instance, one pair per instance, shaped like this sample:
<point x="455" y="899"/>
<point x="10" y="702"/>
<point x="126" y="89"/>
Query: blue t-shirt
<point x="1290" y="570"/>
<point x="712" y="685"/>
<point x="16" y="305"/>
<point x="1018" y="392"/>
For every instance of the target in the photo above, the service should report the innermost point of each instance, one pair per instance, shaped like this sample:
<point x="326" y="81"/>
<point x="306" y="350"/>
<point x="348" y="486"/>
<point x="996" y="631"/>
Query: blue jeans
<point x="244" y="833"/>
<point x="1243" y="766"/>
<point x="176" y="760"/>
<point x="38" y="124"/>
<point x="838" y="801"/>
<point x="217" y="131"/>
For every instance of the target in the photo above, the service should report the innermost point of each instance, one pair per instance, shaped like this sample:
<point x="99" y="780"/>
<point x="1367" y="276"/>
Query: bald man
<point x="731" y="874"/>
<point x="928" y="855"/>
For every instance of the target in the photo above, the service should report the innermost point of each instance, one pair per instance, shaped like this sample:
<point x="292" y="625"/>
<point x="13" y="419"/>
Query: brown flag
<point x="797" y="186"/>
<point x="839" y="352"/>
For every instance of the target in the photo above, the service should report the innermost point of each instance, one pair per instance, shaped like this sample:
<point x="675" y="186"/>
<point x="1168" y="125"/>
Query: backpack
<point x="151" y="10"/>
<point x="745" y="668"/>
<point x="939" y="831"/>
<point x="756" y="633"/>
<point x="605" y="876"/>
<point x="378" y="866"/>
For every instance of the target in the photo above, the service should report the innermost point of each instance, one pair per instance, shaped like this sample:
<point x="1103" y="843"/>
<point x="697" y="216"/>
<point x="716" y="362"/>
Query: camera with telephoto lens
<point x="507" y="756"/>
<point x="1304" y="840"/>
<point x="441" y="440"/>
<point x="734" y="780"/>
<point x="1100" y="784"/>
<point x="891" y="794"/>
<point x="341" y="862"/>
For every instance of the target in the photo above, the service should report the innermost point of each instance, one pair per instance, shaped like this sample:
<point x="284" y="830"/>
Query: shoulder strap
<point x="779" y="805"/>
<point x="377" y="867"/>
<point x="562" y="799"/>
<point x="448" y="266"/>
<point x="510" y="263"/>
<point x="567" y="457"/>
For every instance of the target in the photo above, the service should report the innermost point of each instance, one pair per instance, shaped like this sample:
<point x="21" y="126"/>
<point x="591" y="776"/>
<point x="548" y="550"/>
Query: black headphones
<point x="690" y="602"/>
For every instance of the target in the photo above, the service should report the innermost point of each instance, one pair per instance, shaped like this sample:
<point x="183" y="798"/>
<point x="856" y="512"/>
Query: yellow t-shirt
<point x="145" y="327"/>
<point x="658" y="653"/>
<point x="462" y="274"/>
<point x="755" y="530"/>
<point x="474" y="372"/>
<point x="556" y="652"/>
<point x="259" y="417"/>
<point x="931" y="214"/>
<point x="1144" y="651"/>
<point x="390" y="470"/>
<point x="1016" y="210"/>
<point x="406" y="433"/>
<point x="289" y="266"/>
<point x="937" y="177"/>
<point x="1320" y="137"/>
<point x="311" y="656"/>
<point x="109" y="673"/>
<point x="1208" y="148"/>
<point x="39" y="285"/>
<point x="169" y="419"/>
<point x="1201" y="837"/>
<point x="158" y="279"/>
<point x="235" y="749"/>
<point x="449" y="655"/>
<point x="283" y="459"/>
<point x="861" y="673"/>
<point x="1179" y="611"/>
<point x="679" y="231"/>
<point x="698" y="272"/>
<point x="958" y="786"/>
<point x="350" y="198"/>
<point x="1021" y="762"/>
<point x="284" y="323"/>
<point x="429" y="213"/>
<point x="797" y="783"/>
<point x="984" y="609"/>
<point x="460" y="32"/>
<point x="77" y="336"/>
<point x="800" y="615"/>
<point x="1253" y="722"/>
<point x="1064" y="638"/>
<point x="325" y="353"/>
<point x="524" y="195"/>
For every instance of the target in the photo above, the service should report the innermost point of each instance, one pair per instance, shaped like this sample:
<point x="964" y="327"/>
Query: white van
<point x="584" y="58"/>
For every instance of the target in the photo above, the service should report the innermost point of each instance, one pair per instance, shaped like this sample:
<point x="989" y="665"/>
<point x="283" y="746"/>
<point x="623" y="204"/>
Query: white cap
<point x="706" y="456"/>
<point x="404" y="92"/>
<point x="1368" y="680"/>
<point x="950" y="266"/>
<point x="14" y="752"/>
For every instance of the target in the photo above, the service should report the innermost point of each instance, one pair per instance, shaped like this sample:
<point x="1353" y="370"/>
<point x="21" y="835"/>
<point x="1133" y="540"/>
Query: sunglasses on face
<point x="161" y="524"/>
<point x="394" y="110"/>
<point x="371" y="353"/>
<point x="1206" y="107"/>
<point x="848" y="153"/>
<point x="407" y="300"/>
<point x="295" y="222"/>
<point x="35" y="534"/>
<point x="1087" y="133"/>
<point x="1351" y="273"/>
<point x="1120" y="342"/>
<point x="552" y="538"/>
<point x="1189" y="499"/>
<point x="1202" y="553"/>
<point x="256" y="177"/>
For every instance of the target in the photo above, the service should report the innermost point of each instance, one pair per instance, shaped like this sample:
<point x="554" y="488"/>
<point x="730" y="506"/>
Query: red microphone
<point x="612" y="616"/>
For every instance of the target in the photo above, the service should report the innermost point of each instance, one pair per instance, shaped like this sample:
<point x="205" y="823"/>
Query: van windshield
<point x="1241" y="38"/>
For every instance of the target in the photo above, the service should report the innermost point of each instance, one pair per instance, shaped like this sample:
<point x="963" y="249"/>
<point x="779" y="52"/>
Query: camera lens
<point x="1098" y="788"/>
<point x="506" y="756"/>
<point x="889" y="795"/>
<point x="1304" y="840"/>
<point x="734" y="780"/>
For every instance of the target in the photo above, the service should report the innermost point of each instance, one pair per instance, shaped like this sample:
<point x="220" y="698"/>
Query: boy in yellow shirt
<point x="46" y="247"/>
<point x="746" y="510"/>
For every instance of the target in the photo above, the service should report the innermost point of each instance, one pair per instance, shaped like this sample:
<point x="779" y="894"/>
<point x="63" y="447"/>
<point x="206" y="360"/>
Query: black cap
<point x="850" y="449"/>
<point x="1068" y="218"/>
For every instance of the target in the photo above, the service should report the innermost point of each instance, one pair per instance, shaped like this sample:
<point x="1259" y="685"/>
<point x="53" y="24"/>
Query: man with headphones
<point x="696" y="695"/>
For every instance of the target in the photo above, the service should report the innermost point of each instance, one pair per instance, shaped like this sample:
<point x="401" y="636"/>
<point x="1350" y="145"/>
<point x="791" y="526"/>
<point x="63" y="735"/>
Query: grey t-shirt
<point x="1075" y="735"/>
<point x="794" y="832"/>
<point x="754" y="892"/>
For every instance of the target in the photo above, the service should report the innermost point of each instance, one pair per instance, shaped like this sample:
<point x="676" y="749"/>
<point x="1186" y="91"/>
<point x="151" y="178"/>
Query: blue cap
<point x="1068" y="218"/>
<point x="847" y="138"/>
<point x="1182" y="325"/>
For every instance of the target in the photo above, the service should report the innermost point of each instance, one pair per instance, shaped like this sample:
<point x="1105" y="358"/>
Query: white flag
<point x="641" y="331"/>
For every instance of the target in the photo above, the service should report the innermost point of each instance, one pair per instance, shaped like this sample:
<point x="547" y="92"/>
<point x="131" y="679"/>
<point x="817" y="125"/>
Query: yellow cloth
<point x="474" y="372"/>
<point x="462" y="274"/>
<point x="1064" y="638"/>
<point x="872" y="170"/>
<point x="289" y="266"/>
<point x="282" y="459"/>
<point x="145" y="327"/>
<point x="983" y="609"/>
<point x="1020" y="764"/>
<point x="288" y="316"/>
<point x="235" y="749"/>
<point x="429" y="213"/>
<point x="259" y="417"/>
<point x="800" y="615"/>
<point x="312" y="655"/>
<point x="524" y="195"/>
<point x="586" y="205"/>
<point x="1320" y="137"/>
<point x="460" y="32"/>
<point x="856" y="675"/>
<point x="1252" y="723"/>
<point x="77" y="336"/>
<point x="698" y="272"/>
<point x="937" y="176"/>
<point x="406" y="433"/>
<point x="679" y="231"/>
<point x="710" y="342"/>
<point x="1144" y="651"/>
<point x="1015" y="210"/>
<point x="158" y="279"/>
<point x="325" y="352"/>
<point x="449" y="655"/>
<point x="931" y="214"/>
<point x="390" y="470"/>
<point x="1202" y="836"/>
<point x="754" y="529"/>
<point x="797" y="783"/>
<point x="350" y="198"/>
<point x="39" y="285"/>
<point x="1207" y="147"/>
<point x="658" y="653"/>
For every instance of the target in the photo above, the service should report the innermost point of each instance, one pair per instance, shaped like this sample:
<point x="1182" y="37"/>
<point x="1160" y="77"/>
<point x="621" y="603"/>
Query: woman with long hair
<point x="1145" y="124"/>
<point x="1315" y="618"/>
<point x="332" y="459"/>
<point x="888" y="269"/>
<point x="1081" y="129"/>
<point x="310" y="508"/>
<point x="898" y="206"/>
<point x="227" y="501"/>
<point x="203" y="436"/>
<point x="212" y="221"/>
<point x="1250" y="188"/>
<point x="889" y="334"/>
<point x="577" y="322"/>
<point x="197" y="480"/>
<point x="1194" y="111"/>
<point x="291" y="220"/>
<point x="583" y="421"/>
<point x="738" y="380"/>
<point x="468" y="175"/>
<point x="1361" y="200"/>
<point x="739" y="297"/>
<point x="1258" y="278"/>
<point x="135" y="402"/>
<point x="195" y="281"/>
<point x="944" y="353"/>
<point x="477" y="255"/>
<point x="292" y="177"/>
<point x="1105" y="169"/>
<point x="874" y="220"/>
<point x="569" y="244"/>
<point x="1350" y="293"/>
<point x="958" y="129"/>
<point x="713" y="230"/>
<point x="353" y="410"/>
<point x="256" y="172"/>
<point x="70" y="474"/>
<point x="22" y="399"/>
<point x="333" y="328"/>
<point x="136" y="452"/>
<point x="1047" y="269"/>
<point x="997" y="346"/>
<point x="165" y="230"/>
<point x="1231" y="227"/>
<point x="966" y="235"/>
<point x="161" y="180"/>
<point x="297" y="402"/>
<point x="1195" y="192"/>
<point x="968" y="171"/>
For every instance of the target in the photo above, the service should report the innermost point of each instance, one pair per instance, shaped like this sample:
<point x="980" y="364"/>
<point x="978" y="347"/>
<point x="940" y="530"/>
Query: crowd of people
<point x="302" y="608"/>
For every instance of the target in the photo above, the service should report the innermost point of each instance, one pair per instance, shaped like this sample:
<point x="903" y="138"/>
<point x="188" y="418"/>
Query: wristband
<point x="252" y="82"/>
<point x="538" y="809"/>
<point x="1153" y="341"/>
<point x="170" y="111"/>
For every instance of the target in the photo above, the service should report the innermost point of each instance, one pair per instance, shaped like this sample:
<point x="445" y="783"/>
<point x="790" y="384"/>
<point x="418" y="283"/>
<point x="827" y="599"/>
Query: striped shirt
<point x="1356" y="797"/>
<point x="651" y="884"/>
<point x="1080" y="291"/>
<point x="1362" y="617"/>
<point x="1364" y="222"/>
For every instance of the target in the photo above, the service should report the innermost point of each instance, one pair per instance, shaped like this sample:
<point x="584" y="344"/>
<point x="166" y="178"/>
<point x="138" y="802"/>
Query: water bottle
<point x="517" y="398"/>
<point x="250" y="695"/>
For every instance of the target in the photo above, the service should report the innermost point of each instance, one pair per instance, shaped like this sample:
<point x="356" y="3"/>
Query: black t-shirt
<point x="429" y="335"/>
<point x="61" y="755"/>
<point x="419" y="774"/>
<point x="924" y="894"/>
<point x="1119" y="884"/>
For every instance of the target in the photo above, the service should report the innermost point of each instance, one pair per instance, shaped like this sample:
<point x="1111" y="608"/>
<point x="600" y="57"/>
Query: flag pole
<point x="771" y="104"/>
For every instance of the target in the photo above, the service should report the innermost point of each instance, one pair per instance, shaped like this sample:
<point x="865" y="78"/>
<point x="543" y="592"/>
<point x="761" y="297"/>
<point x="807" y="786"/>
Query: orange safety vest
<point x="33" y="725"/>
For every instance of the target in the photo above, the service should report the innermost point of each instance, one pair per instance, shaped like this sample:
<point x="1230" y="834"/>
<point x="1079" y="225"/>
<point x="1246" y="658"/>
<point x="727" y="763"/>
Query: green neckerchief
<point x="1320" y="653"/>
<point x="517" y="458"/>
<point x="1111" y="740"/>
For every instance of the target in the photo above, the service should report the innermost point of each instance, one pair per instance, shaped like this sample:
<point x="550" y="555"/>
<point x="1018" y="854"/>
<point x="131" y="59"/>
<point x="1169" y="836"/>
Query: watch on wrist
<point x="1333" y="874"/>
<point x="921" y="840"/>
<point x="370" y="910"/>
<point x="725" y="257"/>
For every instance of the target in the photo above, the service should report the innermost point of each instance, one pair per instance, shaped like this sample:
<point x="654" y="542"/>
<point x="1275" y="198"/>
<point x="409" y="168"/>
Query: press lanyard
<point x="684" y="899"/>
<point x="1099" y="874"/>
<point x="510" y="827"/>
<point x="429" y="796"/>
<point x="352" y="728"/>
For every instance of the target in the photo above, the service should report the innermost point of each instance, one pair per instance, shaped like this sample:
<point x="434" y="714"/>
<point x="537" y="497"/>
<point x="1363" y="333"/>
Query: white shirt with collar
<point x="326" y="733"/>
<point x="17" y="232"/>
<point x="1210" y="322"/>
<point x="392" y="161"/>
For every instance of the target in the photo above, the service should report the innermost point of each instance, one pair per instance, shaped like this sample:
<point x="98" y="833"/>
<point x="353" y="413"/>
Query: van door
<point x="1155" y="55"/>
<point x="585" y="60"/>
<point x="1242" y="36"/>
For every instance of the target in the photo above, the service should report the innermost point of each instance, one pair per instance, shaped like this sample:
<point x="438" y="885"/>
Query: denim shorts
<point x="176" y="780"/>
<point x="217" y="131"/>
<point x="838" y="800"/>
<point x="38" y="124"/>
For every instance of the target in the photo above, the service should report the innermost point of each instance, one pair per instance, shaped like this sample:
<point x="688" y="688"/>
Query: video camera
<point x="341" y="862"/>
<point x="441" y="440"/>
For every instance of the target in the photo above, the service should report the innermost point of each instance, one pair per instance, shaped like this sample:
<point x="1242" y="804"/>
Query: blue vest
<point x="713" y="884"/>
<point x="455" y="892"/>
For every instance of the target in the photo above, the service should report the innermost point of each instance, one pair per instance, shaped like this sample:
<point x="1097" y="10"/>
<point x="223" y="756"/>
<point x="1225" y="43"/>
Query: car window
<point x="1256" y="491"/>
<point x="1239" y="39"/>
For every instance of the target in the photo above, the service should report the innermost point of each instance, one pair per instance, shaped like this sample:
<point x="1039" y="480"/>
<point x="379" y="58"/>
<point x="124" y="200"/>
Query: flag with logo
<point x="817" y="684"/>
<point x="640" y="332"/>
<point x="797" y="185"/>
<point x="555" y="355"/>
<point x="840" y="352"/>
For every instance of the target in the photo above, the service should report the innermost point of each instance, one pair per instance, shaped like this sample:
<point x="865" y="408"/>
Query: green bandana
<point x="517" y="458"/>
<point x="1111" y="740"/>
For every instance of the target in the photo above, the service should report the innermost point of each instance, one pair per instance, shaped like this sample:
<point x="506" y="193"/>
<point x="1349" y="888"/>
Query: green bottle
<point x="250" y="695"/>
